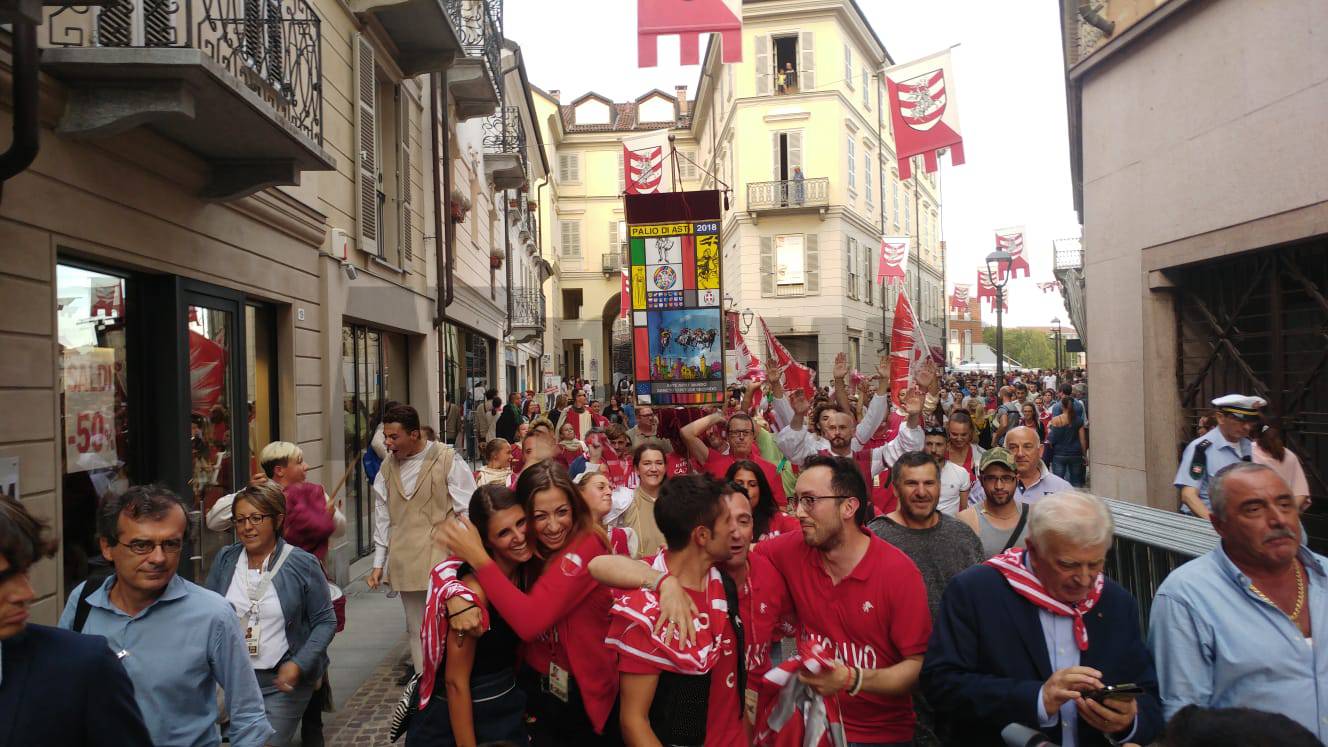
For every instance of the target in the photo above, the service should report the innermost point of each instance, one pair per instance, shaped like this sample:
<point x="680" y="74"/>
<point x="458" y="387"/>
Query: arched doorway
<point x="617" y="348"/>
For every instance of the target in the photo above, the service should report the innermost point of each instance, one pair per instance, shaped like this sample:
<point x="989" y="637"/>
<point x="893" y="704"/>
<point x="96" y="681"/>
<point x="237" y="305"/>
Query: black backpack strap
<point x="1014" y="536"/>
<point x="739" y="636"/>
<point x="83" y="609"/>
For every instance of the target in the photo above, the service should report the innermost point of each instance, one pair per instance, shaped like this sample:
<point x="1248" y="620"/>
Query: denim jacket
<point x="302" y="591"/>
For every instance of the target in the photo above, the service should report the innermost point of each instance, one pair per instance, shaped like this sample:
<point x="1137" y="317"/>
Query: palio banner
<point x="923" y="111"/>
<point x="676" y="317"/>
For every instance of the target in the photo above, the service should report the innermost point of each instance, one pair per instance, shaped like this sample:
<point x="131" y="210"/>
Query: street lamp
<point x="747" y="318"/>
<point x="1057" y="322"/>
<point x="998" y="269"/>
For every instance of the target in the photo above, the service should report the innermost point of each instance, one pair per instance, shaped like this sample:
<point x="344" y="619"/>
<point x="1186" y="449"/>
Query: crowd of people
<point x="843" y="565"/>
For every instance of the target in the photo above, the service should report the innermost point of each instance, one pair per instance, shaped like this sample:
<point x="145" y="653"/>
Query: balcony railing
<point x="611" y="262"/>
<point x="789" y="194"/>
<point x="527" y="307"/>
<point x="479" y="24"/>
<point x="1069" y="254"/>
<point x="272" y="46"/>
<point x="504" y="132"/>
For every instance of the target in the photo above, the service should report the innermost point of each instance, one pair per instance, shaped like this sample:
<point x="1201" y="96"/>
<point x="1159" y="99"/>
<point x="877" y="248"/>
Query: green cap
<point x="997" y="455"/>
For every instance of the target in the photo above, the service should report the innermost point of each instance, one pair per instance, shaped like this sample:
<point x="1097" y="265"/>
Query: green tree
<point x="1032" y="348"/>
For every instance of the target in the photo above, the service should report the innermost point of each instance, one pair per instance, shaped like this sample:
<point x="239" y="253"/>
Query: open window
<point x="785" y="63"/>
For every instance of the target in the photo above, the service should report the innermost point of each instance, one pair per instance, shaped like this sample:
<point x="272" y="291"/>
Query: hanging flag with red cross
<point x="923" y="112"/>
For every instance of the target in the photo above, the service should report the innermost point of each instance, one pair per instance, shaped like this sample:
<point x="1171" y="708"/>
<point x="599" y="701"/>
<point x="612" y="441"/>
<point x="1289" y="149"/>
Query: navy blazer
<point x="63" y="689"/>
<point x="987" y="660"/>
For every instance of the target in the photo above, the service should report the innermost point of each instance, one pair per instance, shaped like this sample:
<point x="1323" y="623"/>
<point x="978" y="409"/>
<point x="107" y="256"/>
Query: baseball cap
<point x="997" y="455"/>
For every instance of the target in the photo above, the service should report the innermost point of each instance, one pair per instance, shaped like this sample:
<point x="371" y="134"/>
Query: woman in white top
<point x="281" y="597"/>
<point x="1270" y="451"/>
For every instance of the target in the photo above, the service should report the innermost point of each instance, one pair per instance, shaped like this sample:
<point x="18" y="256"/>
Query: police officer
<point x="1226" y="444"/>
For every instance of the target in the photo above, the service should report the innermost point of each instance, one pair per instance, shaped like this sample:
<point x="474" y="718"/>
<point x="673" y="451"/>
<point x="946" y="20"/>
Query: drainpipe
<point x="442" y="234"/>
<point x="539" y="248"/>
<point x="23" y="148"/>
<point x="507" y="260"/>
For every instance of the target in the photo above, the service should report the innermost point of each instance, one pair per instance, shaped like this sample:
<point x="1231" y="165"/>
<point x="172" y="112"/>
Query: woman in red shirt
<point x="570" y="676"/>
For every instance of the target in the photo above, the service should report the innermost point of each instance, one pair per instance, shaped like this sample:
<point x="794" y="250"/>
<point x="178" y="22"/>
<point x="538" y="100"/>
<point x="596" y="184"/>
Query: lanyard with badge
<point x="255" y="593"/>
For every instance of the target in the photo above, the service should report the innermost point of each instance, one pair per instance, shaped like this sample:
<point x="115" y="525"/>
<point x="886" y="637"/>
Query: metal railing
<point x="611" y="261"/>
<point x="1151" y="543"/>
<point x="1069" y="254"/>
<point x="272" y="46"/>
<point x="504" y="132"/>
<point x="527" y="307"/>
<point x="789" y="193"/>
<point x="479" y="24"/>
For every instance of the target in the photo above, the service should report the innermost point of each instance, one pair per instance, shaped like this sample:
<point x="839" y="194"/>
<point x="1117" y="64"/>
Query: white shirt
<point x="460" y="484"/>
<point x="798" y="443"/>
<point x="908" y="439"/>
<point x="272" y="644"/>
<point x="954" y="480"/>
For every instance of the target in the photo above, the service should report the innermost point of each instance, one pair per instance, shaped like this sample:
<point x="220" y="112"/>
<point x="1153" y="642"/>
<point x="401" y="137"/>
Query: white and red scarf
<point x="1011" y="565"/>
<point x="443" y="585"/>
<point x="640" y="608"/>
<point x="799" y="717"/>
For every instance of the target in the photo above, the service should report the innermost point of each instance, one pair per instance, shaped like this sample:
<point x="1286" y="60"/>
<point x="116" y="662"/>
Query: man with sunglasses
<point x="178" y="641"/>
<point x="1000" y="521"/>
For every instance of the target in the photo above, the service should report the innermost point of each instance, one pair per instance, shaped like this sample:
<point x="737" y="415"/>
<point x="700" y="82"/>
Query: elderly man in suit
<point x="1033" y="636"/>
<point x="57" y="688"/>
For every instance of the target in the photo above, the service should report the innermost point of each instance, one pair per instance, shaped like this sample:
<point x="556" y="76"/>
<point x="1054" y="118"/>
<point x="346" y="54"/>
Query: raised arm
<point x="839" y="376"/>
<point x="909" y="438"/>
<point x="795" y="441"/>
<point x="692" y="436"/>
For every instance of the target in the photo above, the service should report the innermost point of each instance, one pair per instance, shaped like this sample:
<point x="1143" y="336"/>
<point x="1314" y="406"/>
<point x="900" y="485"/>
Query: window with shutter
<point x="405" y="187"/>
<point x="569" y="167"/>
<point x="868" y="279"/>
<point x="851" y="267"/>
<point x="613" y="249"/>
<point x="848" y="66"/>
<point x="687" y="164"/>
<point x="866" y="90"/>
<point x="807" y="55"/>
<point x="811" y="263"/>
<point x="571" y="236"/>
<point x="622" y="171"/>
<point x="867" y="177"/>
<point x="852" y="164"/>
<point x="764" y="71"/>
<point x="366" y="138"/>
<point x="767" y="266"/>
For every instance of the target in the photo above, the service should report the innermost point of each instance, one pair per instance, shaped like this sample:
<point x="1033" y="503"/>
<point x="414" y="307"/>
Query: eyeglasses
<point x="808" y="501"/>
<point x="252" y="521"/>
<point x="145" y="547"/>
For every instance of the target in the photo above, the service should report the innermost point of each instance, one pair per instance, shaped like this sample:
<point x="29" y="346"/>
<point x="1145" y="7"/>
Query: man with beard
<point x="1238" y="625"/>
<point x="938" y="544"/>
<point x="741" y="435"/>
<point x="646" y="430"/>
<point x="580" y="416"/>
<point x="955" y="483"/>
<point x="1035" y="480"/>
<point x="1000" y="522"/>
<point x="838" y="435"/>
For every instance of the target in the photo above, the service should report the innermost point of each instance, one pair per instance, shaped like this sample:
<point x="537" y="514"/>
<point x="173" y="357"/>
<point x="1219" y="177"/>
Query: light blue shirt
<point x="1047" y="483"/>
<point x="1220" y="453"/>
<point x="176" y="651"/>
<point x="1218" y="645"/>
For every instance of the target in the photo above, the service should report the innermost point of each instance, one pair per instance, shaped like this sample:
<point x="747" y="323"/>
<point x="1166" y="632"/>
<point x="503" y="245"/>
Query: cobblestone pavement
<point x="365" y="717"/>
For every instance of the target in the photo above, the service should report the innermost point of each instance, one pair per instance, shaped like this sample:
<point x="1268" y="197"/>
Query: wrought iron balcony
<point x="611" y="262"/>
<point x="476" y="80"/>
<point x="527" y="308"/>
<point x="239" y="82"/>
<point x="422" y="32"/>
<point x="505" y="148"/>
<point x="788" y="195"/>
<point x="1069" y="254"/>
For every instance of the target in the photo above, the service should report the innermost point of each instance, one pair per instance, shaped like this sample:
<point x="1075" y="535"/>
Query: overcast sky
<point x="1011" y="97"/>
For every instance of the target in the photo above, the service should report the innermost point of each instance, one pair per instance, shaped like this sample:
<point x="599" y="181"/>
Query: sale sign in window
<point x="89" y="387"/>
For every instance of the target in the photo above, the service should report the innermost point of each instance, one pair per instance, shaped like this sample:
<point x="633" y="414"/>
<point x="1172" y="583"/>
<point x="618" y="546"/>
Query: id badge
<point x="558" y="682"/>
<point x="749" y="705"/>
<point x="251" y="636"/>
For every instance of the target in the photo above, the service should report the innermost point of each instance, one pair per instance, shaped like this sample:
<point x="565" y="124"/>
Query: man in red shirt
<point x="857" y="595"/>
<point x="677" y="691"/>
<point x="741" y="430"/>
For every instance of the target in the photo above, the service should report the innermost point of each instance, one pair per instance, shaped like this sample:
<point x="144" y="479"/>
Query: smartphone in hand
<point x="1127" y="691"/>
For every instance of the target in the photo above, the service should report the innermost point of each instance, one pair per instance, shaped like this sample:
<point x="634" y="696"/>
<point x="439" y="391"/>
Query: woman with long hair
<point x="638" y="504"/>
<point x="1066" y="439"/>
<point x="1271" y="451"/>
<point x="598" y="493"/>
<point x="767" y="519"/>
<point x="570" y="676"/>
<point x="481" y="702"/>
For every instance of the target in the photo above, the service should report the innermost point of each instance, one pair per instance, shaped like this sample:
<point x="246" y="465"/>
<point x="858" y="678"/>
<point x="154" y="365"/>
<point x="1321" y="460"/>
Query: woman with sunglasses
<point x="570" y="676"/>
<point x="480" y="702"/>
<point x="280" y="594"/>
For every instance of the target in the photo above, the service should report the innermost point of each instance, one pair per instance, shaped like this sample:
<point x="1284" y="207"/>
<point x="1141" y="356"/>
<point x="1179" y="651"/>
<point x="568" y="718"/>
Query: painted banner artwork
<point x="923" y="111"/>
<point x="1012" y="240"/>
<point x="677" y="321"/>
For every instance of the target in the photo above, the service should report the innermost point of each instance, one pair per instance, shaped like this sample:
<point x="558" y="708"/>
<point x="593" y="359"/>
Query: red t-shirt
<point x="873" y="619"/>
<point x="725" y="726"/>
<point x="718" y="464"/>
<point x="781" y="523"/>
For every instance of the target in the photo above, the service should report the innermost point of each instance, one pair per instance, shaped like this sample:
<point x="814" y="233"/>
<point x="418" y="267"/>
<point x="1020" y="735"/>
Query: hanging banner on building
<point x="676" y="318"/>
<point x="89" y="416"/>
<point x="893" y="264"/>
<point x="987" y="290"/>
<point x="959" y="299"/>
<point x="688" y="19"/>
<point x="923" y="111"/>
<point x="1012" y="240"/>
<point x="647" y="163"/>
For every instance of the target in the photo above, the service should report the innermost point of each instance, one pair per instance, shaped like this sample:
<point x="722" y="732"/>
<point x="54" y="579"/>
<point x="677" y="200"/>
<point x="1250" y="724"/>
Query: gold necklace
<point x="1300" y="595"/>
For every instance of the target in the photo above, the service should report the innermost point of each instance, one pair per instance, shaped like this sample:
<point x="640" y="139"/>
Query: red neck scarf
<point x="1011" y="565"/>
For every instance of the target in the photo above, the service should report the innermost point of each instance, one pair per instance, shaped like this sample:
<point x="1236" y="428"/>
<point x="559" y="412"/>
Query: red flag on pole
<point x="796" y="375"/>
<point x="923" y="111"/>
<point x="894" y="259"/>
<point x="646" y="167"/>
<point x="689" y="19"/>
<point x="908" y="347"/>
<point x="749" y="366"/>
<point x="959" y="299"/>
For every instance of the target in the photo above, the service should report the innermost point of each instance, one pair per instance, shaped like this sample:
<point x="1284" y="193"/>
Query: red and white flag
<point x="749" y="366"/>
<point x="646" y="163"/>
<point x="625" y="295"/>
<point x="1012" y="240"/>
<point x="1051" y="287"/>
<point x="908" y="347"/>
<point x="689" y="20"/>
<point x="959" y="299"/>
<point x="796" y="375"/>
<point x="893" y="262"/>
<point x="987" y="290"/>
<point x="923" y="111"/>
<point x="106" y="298"/>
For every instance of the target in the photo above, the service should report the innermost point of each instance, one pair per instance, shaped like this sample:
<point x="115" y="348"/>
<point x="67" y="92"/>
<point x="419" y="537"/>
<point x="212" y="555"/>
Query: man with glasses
<point x="646" y="430"/>
<point x="178" y="641"/>
<point x="859" y="597"/>
<point x="741" y="435"/>
<point x="999" y="521"/>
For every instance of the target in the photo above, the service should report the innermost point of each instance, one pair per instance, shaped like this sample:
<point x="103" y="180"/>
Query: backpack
<point x="98" y="571"/>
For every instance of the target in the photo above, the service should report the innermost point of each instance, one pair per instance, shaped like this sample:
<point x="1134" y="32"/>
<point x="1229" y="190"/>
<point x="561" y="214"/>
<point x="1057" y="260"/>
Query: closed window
<point x="571" y="238"/>
<point x="851" y="266"/>
<point x="848" y="66"/>
<point x="852" y="164"/>
<point x="867" y="177"/>
<point x="569" y="167"/>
